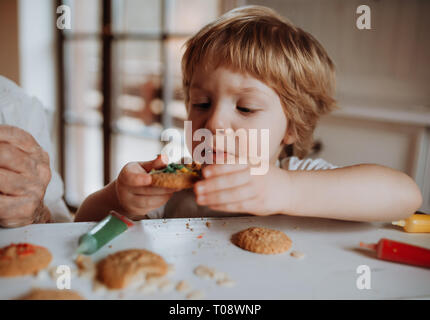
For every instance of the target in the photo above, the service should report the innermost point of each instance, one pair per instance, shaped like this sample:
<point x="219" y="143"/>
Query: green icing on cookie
<point x="171" y="168"/>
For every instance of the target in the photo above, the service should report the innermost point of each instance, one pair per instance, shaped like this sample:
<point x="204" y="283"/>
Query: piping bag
<point x="400" y="252"/>
<point x="103" y="232"/>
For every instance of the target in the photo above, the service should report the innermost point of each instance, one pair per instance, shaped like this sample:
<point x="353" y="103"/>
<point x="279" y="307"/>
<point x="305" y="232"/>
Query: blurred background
<point x="112" y="82"/>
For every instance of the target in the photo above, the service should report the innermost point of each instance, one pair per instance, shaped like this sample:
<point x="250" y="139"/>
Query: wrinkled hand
<point x="134" y="191"/>
<point x="232" y="188"/>
<point x="24" y="177"/>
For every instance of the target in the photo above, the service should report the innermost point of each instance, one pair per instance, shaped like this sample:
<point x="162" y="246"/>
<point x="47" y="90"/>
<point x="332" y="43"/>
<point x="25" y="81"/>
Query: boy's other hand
<point x="134" y="191"/>
<point x="232" y="188"/>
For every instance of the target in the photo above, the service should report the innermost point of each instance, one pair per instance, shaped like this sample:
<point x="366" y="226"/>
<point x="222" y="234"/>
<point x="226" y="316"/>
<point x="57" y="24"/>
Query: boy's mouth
<point x="218" y="156"/>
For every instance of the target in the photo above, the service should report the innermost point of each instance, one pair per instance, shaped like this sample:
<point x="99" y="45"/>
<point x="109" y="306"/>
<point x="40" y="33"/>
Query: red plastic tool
<point x="400" y="252"/>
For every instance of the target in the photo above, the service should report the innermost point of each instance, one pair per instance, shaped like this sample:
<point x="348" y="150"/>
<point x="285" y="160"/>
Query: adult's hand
<point x="24" y="177"/>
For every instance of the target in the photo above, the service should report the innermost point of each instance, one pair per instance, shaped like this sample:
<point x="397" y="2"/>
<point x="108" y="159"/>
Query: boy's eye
<point x="202" y="105"/>
<point x="244" y="109"/>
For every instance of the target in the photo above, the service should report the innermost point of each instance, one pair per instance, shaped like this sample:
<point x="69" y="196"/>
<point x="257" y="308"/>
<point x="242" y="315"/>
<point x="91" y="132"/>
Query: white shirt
<point x="27" y="113"/>
<point x="294" y="163"/>
<point x="183" y="205"/>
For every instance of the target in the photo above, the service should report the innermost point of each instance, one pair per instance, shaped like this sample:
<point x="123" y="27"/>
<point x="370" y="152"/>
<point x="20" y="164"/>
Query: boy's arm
<point x="364" y="192"/>
<point x="99" y="204"/>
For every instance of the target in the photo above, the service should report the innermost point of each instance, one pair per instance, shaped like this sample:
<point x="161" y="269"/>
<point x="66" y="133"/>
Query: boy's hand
<point x="232" y="188"/>
<point x="134" y="192"/>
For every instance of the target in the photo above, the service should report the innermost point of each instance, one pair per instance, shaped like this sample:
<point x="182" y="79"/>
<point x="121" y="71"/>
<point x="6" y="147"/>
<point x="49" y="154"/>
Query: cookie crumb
<point x="195" y="295"/>
<point x="166" y="286"/>
<point x="170" y="269"/>
<point x="187" y="225"/>
<point x="208" y="224"/>
<point x="183" y="286"/>
<point x="221" y="278"/>
<point x="226" y="282"/>
<point x="220" y="275"/>
<point x="52" y="271"/>
<point x="297" y="254"/>
<point x="204" y="272"/>
<point x="86" y="266"/>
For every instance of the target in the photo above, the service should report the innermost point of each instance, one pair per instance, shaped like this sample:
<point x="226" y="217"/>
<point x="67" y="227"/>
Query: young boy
<point x="253" y="69"/>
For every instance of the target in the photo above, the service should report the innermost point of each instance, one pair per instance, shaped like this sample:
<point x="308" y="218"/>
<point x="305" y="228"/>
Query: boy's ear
<point x="290" y="137"/>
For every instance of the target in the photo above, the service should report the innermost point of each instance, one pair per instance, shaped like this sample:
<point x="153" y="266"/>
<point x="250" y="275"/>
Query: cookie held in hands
<point x="177" y="176"/>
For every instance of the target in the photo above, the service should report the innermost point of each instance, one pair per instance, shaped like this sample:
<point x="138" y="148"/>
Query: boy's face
<point x="225" y="99"/>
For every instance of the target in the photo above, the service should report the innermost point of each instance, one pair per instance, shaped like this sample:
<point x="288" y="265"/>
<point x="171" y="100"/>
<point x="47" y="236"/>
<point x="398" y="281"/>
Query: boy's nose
<point x="217" y="120"/>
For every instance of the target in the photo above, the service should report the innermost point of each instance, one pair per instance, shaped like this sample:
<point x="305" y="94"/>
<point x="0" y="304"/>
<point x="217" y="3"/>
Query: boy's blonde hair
<point x="256" y="40"/>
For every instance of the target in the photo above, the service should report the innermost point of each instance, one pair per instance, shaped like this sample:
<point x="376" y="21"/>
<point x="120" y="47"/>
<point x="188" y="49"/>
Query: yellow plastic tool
<point x="415" y="223"/>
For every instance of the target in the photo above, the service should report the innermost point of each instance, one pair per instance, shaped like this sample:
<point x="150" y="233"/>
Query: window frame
<point x="107" y="39"/>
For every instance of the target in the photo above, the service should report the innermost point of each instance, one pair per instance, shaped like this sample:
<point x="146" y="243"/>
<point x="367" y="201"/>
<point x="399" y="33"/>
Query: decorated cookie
<point x="181" y="176"/>
<point x="262" y="240"/>
<point x="118" y="270"/>
<point x="23" y="259"/>
<point x="51" y="294"/>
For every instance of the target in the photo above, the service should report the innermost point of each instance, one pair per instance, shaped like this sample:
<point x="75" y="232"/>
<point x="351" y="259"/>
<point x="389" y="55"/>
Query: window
<point x="120" y="83"/>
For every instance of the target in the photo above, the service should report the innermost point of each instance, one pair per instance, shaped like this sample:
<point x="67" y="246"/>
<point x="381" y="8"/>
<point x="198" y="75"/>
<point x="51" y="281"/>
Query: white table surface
<point x="328" y="270"/>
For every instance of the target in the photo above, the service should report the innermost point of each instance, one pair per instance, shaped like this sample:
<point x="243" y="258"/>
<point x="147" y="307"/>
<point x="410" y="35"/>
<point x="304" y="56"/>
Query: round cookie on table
<point x="118" y="270"/>
<point x="262" y="240"/>
<point x="23" y="259"/>
<point x="51" y="294"/>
